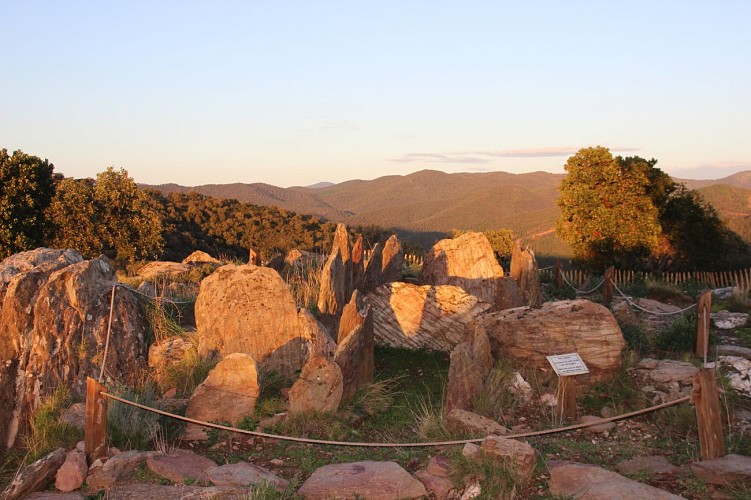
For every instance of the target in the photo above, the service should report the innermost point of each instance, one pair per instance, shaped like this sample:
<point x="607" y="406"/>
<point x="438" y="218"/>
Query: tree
<point x="109" y="215"/>
<point x="26" y="188"/>
<point x="607" y="215"/>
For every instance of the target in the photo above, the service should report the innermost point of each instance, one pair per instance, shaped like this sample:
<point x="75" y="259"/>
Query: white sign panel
<point x="568" y="364"/>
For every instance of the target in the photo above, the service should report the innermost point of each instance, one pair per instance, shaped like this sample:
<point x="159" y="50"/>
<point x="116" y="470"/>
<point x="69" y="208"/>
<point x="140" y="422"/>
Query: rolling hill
<point x="423" y="206"/>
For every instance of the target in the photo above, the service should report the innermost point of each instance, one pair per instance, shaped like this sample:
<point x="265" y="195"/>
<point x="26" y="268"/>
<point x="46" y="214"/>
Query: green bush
<point x="129" y="427"/>
<point x="679" y="336"/>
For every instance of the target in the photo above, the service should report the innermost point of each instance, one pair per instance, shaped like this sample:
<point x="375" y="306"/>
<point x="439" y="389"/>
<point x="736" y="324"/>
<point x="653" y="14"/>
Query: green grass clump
<point x="678" y="337"/>
<point x="47" y="432"/>
<point x="498" y="478"/>
<point x="185" y="375"/>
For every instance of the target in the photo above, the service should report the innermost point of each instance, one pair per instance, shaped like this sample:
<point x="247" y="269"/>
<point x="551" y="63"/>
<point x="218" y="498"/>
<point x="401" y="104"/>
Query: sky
<point x="297" y="92"/>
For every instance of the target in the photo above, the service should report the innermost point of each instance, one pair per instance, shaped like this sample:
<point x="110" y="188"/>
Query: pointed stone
<point x="358" y="264"/>
<point x="392" y="262"/>
<point x="373" y="271"/>
<point x="319" y="387"/>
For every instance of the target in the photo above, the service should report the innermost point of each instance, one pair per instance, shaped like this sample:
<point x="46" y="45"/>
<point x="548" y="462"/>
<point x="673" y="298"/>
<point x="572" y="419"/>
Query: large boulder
<point x="162" y="268"/>
<point x="249" y="309"/>
<point x="530" y="335"/>
<point x="228" y="394"/>
<point x="422" y="317"/>
<point x="54" y="325"/>
<point x="467" y="261"/>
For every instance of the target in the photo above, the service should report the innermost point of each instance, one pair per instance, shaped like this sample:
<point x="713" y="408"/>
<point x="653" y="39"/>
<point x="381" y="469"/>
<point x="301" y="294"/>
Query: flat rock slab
<point x="53" y="495"/>
<point x="34" y="477"/>
<point x="180" y="466"/>
<point x="723" y="470"/>
<point x="734" y="350"/>
<point x="244" y="474"/>
<point x="180" y="492"/>
<point x="117" y="469"/>
<point x="441" y="487"/>
<point x="372" y="480"/>
<point x="653" y="465"/>
<point x="520" y="454"/>
<point x="725" y="320"/>
<point x="589" y="482"/>
<point x="467" y="421"/>
<point x="596" y="428"/>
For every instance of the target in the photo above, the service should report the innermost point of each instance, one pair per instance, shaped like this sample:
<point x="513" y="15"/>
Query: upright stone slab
<point x="467" y="261"/>
<point x="392" y="261"/>
<point x="525" y="273"/>
<point x="590" y="482"/>
<point x="319" y="388"/>
<point x="358" y="264"/>
<point x="228" y="394"/>
<point x="250" y="310"/>
<point x="354" y="355"/>
<point x="373" y="271"/>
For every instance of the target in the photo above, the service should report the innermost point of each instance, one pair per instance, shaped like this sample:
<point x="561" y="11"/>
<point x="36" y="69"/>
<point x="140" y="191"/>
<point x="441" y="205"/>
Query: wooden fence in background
<point x="740" y="278"/>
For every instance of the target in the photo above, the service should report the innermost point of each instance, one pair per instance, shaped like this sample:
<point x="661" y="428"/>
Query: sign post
<point x="567" y="366"/>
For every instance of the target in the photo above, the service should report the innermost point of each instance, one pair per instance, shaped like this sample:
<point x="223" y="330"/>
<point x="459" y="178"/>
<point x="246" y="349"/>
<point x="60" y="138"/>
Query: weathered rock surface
<point x="392" y="260"/>
<point x="723" y="470"/>
<point x="734" y="350"/>
<point x="463" y="420"/>
<point x="422" y="317"/>
<point x="161" y="268"/>
<point x="524" y="271"/>
<point x="35" y="477"/>
<point x="54" y="495"/>
<point x="373" y="277"/>
<point x="529" y="335"/>
<point x="181" y="466"/>
<point x="589" y="482"/>
<point x="471" y="362"/>
<point x="53" y="325"/>
<point x="169" y="352"/>
<point x="117" y="469"/>
<point x="249" y="309"/>
<point x="466" y="261"/>
<point x="358" y="264"/>
<point x="725" y="320"/>
<point x="243" y="474"/>
<point x="371" y="480"/>
<point x="652" y="465"/>
<point x="228" y="394"/>
<point x="319" y="387"/>
<point x="74" y="415"/>
<point x="665" y="379"/>
<point x="519" y="453"/>
<point x="354" y="355"/>
<point x="321" y="342"/>
<point x="199" y="257"/>
<point x="71" y="475"/>
<point x="254" y="258"/>
<point x="336" y="279"/>
<point x="666" y="313"/>
<point x="738" y="372"/>
<point x="507" y="294"/>
<point x="139" y="491"/>
<point x="441" y="487"/>
<point x="351" y="317"/>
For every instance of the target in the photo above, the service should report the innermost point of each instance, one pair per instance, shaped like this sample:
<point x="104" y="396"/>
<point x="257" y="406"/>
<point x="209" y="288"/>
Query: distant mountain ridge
<point x="429" y="203"/>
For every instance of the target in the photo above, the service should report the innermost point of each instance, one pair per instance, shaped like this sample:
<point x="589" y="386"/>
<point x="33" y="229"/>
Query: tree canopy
<point x="627" y="212"/>
<point x="26" y="189"/>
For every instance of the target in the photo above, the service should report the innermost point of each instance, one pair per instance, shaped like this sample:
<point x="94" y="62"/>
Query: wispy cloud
<point x="479" y="157"/>
<point x="440" y="158"/>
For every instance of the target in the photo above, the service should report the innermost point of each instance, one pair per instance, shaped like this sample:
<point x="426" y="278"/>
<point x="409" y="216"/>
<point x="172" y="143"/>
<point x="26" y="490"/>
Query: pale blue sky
<point x="296" y="92"/>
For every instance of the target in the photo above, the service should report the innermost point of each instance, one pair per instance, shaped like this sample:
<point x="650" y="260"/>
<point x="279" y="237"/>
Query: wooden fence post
<point x="95" y="430"/>
<point x="559" y="274"/>
<point x="703" y="311"/>
<point x="708" y="418"/>
<point x="609" y="278"/>
<point x="566" y="397"/>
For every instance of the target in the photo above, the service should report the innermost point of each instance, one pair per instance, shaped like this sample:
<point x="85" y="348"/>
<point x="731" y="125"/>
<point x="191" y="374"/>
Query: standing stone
<point x="467" y="261"/>
<point x="354" y="355"/>
<point x="470" y="365"/>
<point x="228" y="394"/>
<point x="358" y="264"/>
<point x="333" y="290"/>
<point x="321" y="343"/>
<point x="392" y="261"/>
<point x="373" y="271"/>
<point x="371" y="480"/>
<point x="422" y="317"/>
<point x="319" y="388"/>
<point x="529" y="335"/>
<point x="525" y="273"/>
<point x="351" y="317"/>
<point x="249" y="309"/>
<point x="254" y="258"/>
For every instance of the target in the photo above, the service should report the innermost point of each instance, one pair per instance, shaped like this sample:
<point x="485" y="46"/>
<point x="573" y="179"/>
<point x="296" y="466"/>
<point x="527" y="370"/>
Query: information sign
<point x="568" y="364"/>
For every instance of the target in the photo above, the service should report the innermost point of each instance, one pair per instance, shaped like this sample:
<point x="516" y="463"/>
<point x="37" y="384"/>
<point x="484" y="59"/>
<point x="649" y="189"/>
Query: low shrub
<point x="678" y="337"/>
<point x="129" y="427"/>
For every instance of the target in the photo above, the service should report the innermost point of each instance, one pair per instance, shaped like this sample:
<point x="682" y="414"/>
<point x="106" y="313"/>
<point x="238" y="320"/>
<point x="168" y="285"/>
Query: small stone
<point x="652" y="465"/>
<point x="73" y="472"/>
<point x="243" y="474"/>
<point x="471" y="450"/>
<point x="440" y="486"/>
<point x="473" y="490"/>
<point x="365" y="479"/>
<point x="458" y="419"/>
<point x="607" y="412"/>
<point x="520" y="453"/>
<point x="276" y="462"/>
<point x="603" y="427"/>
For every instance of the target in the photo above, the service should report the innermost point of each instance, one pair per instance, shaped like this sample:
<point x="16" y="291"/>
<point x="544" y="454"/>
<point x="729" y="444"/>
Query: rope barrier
<point x="580" y="292"/>
<point x="393" y="445"/>
<point x="164" y="299"/>
<point x="656" y="313"/>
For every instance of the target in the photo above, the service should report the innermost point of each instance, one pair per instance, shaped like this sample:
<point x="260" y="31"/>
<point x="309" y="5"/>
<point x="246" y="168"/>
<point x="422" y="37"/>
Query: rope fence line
<point x="582" y="292"/>
<point x="656" y="313"/>
<point x="392" y="445"/>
